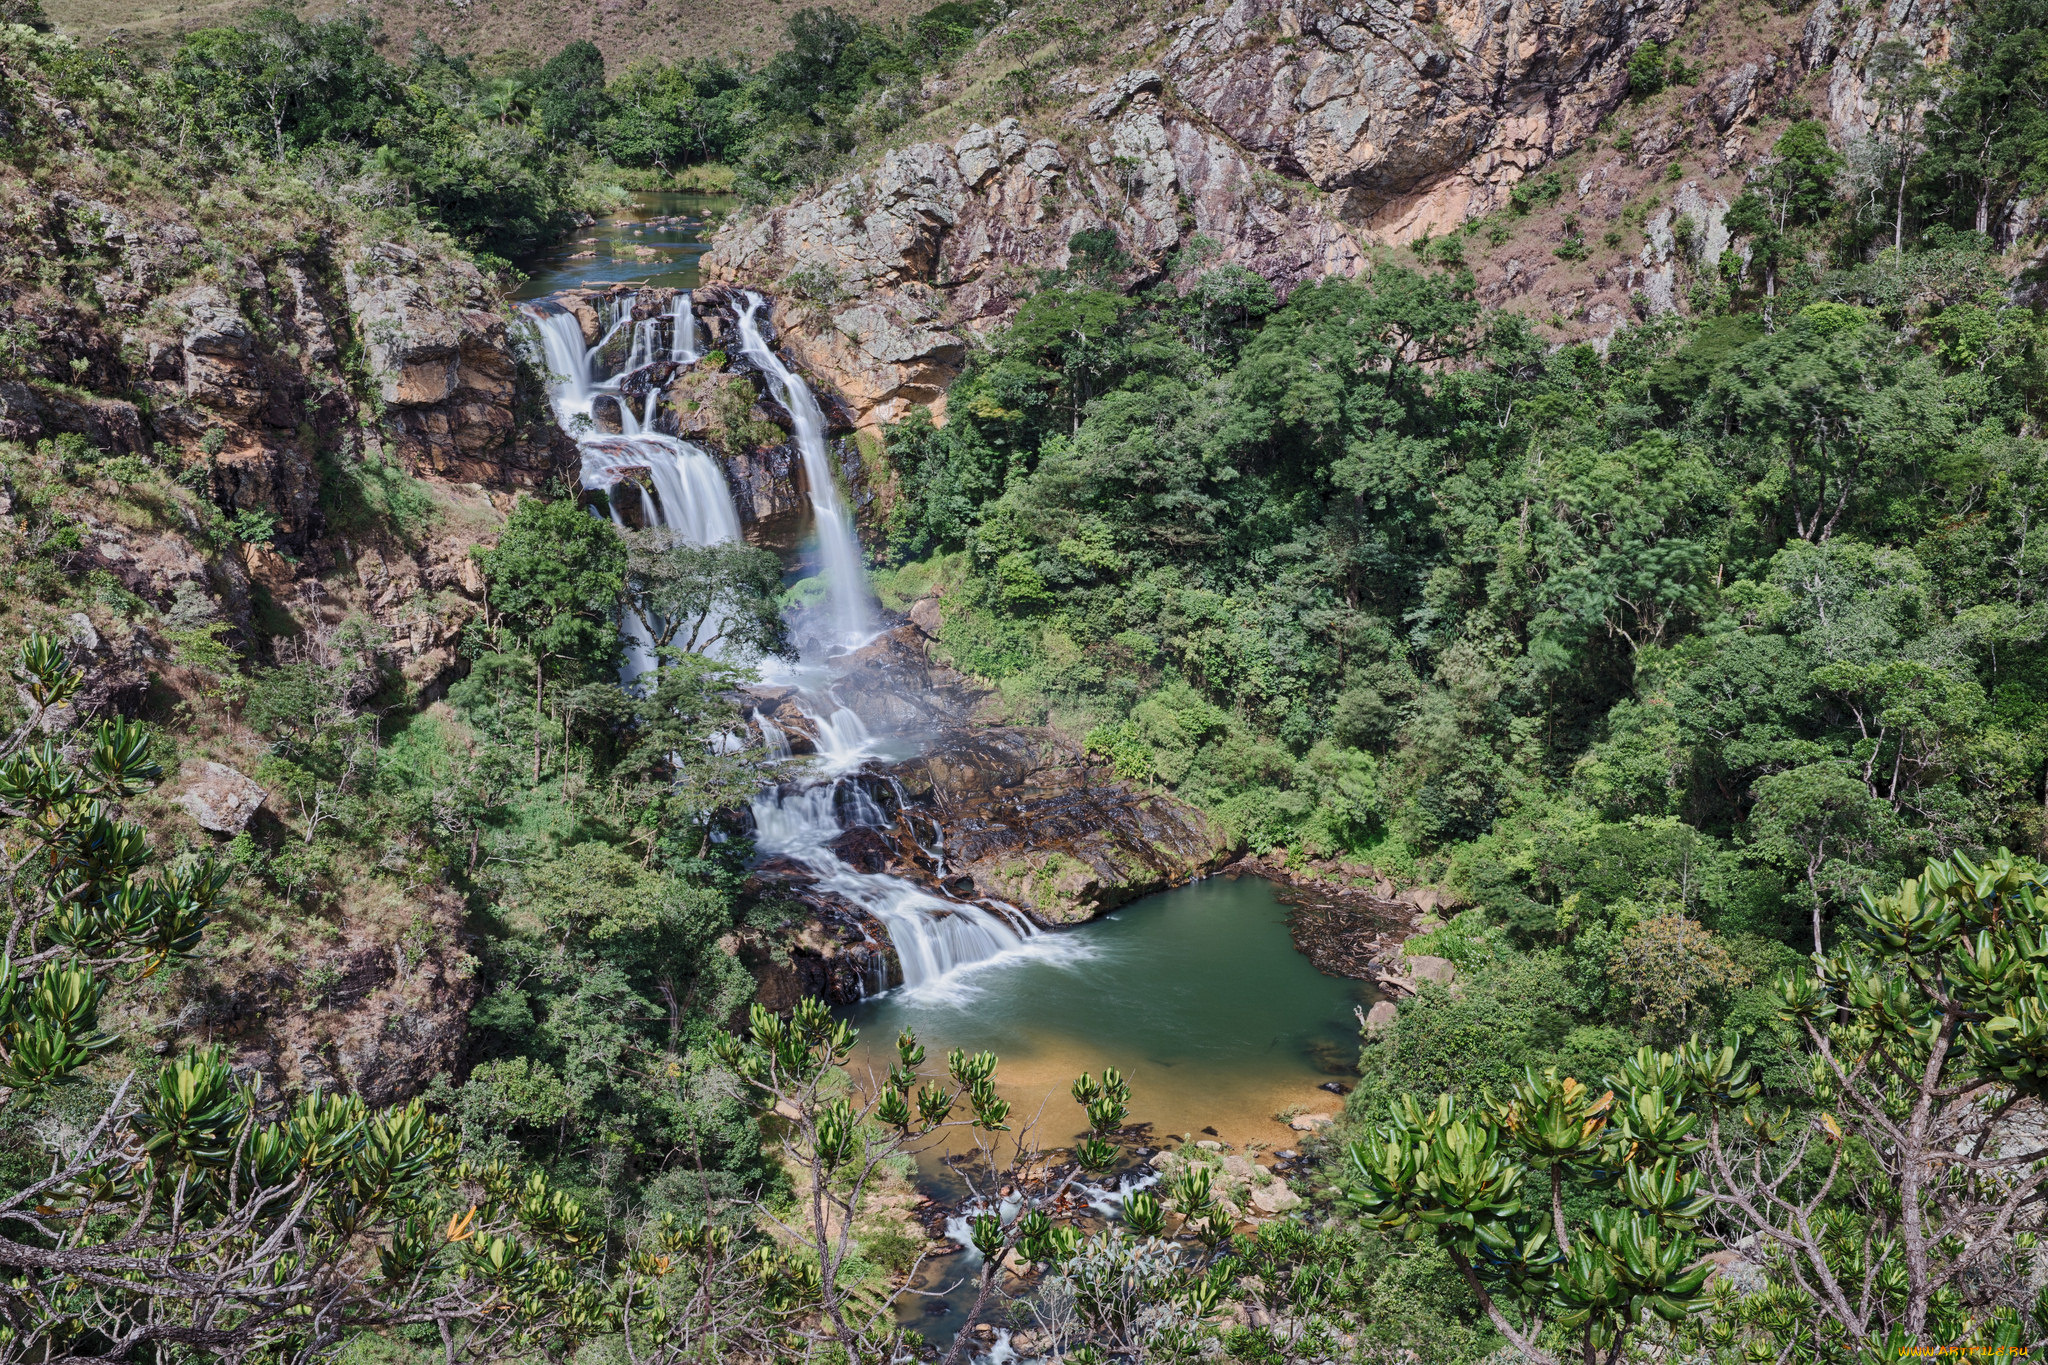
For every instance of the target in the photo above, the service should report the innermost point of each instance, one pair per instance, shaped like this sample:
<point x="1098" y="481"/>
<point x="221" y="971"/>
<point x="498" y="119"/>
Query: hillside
<point x="1583" y="177"/>
<point x="624" y="30"/>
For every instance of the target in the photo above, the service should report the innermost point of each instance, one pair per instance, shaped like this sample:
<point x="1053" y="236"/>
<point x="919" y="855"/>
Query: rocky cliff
<point x="1306" y="138"/>
<point x="234" y="422"/>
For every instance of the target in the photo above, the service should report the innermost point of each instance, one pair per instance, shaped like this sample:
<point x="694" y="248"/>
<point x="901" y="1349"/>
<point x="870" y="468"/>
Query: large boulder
<point x="222" y="800"/>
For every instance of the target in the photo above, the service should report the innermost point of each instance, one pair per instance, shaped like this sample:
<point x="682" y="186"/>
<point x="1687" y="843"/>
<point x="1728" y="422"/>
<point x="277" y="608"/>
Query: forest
<point x="1705" y="670"/>
<point x="503" y="151"/>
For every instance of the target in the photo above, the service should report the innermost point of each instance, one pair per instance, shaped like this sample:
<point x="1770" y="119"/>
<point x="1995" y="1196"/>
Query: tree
<point x="1674" y="969"/>
<point x="1459" y="1175"/>
<point x="553" y="582"/>
<point x="1900" y="1208"/>
<point x="569" y="93"/>
<point x="193" y="1215"/>
<point x="1796" y="190"/>
<point x="1905" y="89"/>
<point x="1988" y="138"/>
<point x="718" y="599"/>
<point x="1820" y="823"/>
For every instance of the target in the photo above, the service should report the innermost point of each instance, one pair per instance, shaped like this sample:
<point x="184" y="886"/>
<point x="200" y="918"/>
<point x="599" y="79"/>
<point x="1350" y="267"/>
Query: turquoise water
<point x="1197" y="995"/>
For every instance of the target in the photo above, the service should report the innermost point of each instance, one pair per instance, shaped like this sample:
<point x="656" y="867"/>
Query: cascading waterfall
<point x="932" y="936"/>
<point x="681" y="488"/>
<point x="678" y="485"/>
<point x="845" y="580"/>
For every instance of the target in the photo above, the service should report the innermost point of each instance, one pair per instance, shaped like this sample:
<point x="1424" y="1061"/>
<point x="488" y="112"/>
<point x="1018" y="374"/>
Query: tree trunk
<point x="539" y="682"/>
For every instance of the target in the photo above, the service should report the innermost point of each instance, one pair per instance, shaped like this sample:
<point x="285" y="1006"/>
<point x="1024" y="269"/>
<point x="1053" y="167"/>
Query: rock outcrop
<point x="1414" y="120"/>
<point x="221" y="799"/>
<point x="1298" y="135"/>
<point x="435" y="346"/>
<point x="941" y="238"/>
<point x="1291" y="134"/>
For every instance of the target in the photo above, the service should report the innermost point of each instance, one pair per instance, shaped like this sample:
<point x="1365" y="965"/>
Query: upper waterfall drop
<point x="845" y="578"/>
<point x="679" y="487"/>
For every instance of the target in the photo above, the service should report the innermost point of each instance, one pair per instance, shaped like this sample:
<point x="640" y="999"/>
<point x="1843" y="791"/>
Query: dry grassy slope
<point x="624" y="29"/>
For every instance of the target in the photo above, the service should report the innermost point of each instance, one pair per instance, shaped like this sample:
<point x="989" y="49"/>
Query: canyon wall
<point x="1304" y="139"/>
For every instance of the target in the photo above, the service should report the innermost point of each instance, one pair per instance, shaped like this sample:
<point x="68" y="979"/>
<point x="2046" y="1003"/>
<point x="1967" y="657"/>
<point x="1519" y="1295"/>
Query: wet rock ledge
<point x="998" y="814"/>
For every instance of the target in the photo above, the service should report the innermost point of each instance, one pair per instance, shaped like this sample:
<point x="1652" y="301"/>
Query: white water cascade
<point x="678" y="485"/>
<point x="845" y="580"/>
<point x="682" y="488"/>
<point x="932" y="936"/>
<point x="682" y="347"/>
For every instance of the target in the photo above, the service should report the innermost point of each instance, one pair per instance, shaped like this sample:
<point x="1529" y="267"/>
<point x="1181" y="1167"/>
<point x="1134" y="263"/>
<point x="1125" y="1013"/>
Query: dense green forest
<point x="1706" y="670"/>
<point x="1660" y="654"/>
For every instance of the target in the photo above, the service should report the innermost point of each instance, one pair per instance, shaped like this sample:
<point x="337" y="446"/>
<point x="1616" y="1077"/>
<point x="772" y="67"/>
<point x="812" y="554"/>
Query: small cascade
<point x="932" y="936"/>
<point x="860" y="807"/>
<point x="844" y="742"/>
<point x="845" y="580"/>
<point x="773" y="738"/>
<point x="682" y="347"/>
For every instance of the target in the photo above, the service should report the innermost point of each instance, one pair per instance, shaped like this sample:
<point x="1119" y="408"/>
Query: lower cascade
<point x="674" y="484"/>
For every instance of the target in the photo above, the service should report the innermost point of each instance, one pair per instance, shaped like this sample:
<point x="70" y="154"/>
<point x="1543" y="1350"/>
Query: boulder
<point x="1309" y="1123"/>
<point x="1275" y="1198"/>
<point x="1380" y="1018"/>
<point x="1422" y="967"/>
<point x="222" y="800"/>
<point x="926" y="616"/>
<point x="220" y="354"/>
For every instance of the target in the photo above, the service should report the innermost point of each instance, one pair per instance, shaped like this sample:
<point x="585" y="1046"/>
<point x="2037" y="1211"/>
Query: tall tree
<point x="554" y="579"/>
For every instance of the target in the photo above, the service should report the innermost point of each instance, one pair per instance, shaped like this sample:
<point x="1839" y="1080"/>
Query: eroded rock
<point x="439" y="354"/>
<point x="222" y="800"/>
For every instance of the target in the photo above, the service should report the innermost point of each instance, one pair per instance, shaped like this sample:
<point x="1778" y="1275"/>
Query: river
<point x="656" y="238"/>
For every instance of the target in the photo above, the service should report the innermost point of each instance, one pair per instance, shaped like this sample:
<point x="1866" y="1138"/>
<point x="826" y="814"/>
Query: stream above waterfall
<point x="655" y="238"/>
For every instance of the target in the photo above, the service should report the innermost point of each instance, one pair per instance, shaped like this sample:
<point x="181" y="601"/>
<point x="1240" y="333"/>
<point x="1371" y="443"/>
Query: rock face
<point x="941" y="237"/>
<point x="1292" y="133"/>
<point x="436" y="348"/>
<point x="222" y="800"/>
<point x="1415" y="121"/>
<point x="1297" y="135"/>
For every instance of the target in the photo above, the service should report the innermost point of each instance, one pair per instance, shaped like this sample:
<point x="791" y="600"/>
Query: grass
<point x="662" y="28"/>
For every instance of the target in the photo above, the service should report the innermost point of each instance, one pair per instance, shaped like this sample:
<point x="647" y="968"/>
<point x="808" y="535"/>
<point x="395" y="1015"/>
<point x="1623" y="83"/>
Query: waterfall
<point x="932" y="936"/>
<point x="773" y="738"/>
<point x="681" y="488"/>
<point x="845" y="580"/>
<point x="682" y="347"/>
